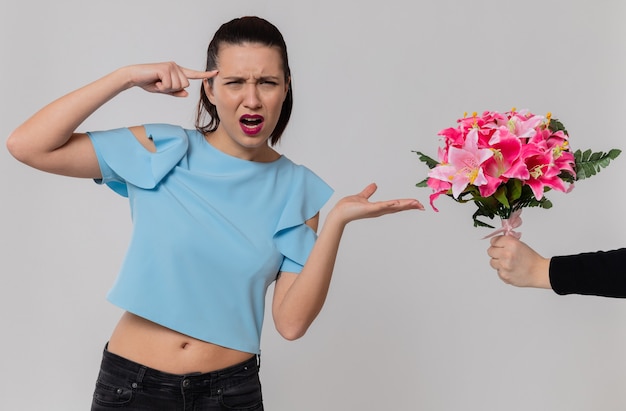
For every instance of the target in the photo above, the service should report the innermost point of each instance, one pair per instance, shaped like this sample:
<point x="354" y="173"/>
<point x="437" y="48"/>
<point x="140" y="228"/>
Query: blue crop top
<point x="210" y="231"/>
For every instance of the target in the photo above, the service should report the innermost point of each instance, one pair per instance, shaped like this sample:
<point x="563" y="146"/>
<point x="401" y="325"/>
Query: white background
<point x="416" y="319"/>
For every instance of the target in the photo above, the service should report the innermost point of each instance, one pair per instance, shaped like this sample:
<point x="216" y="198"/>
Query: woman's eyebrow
<point x="244" y="78"/>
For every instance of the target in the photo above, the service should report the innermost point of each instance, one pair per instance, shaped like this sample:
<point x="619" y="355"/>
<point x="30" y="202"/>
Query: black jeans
<point x="125" y="385"/>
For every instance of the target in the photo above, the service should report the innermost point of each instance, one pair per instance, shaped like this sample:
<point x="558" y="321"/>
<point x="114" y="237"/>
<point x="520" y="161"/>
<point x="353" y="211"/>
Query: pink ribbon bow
<point x="509" y="225"/>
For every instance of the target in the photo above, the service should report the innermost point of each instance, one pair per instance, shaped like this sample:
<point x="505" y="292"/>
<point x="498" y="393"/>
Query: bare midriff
<point x="163" y="349"/>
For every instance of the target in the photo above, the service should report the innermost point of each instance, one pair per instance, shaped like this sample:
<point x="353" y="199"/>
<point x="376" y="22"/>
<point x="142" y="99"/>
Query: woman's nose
<point x="251" y="98"/>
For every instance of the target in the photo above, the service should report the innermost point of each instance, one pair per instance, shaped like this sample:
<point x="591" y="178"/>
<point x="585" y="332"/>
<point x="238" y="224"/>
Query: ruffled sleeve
<point x="123" y="160"/>
<point x="293" y="237"/>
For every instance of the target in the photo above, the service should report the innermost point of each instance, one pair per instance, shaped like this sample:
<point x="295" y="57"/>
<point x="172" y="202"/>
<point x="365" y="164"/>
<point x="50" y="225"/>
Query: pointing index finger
<point x="198" y="75"/>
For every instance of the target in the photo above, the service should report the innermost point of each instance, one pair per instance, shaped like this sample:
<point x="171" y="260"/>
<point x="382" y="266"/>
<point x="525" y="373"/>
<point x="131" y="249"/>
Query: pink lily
<point x="524" y="125"/>
<point x="452" y="136"/>
<point x="543" y="173"/>
<point x="505" y="162"/>
<point x="439" y="187"/>
<point x="563" y="158"/>
<point x="464" y="166"/>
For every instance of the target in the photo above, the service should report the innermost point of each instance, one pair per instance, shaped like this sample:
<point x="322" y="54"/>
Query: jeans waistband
<point x="144" y="374"/>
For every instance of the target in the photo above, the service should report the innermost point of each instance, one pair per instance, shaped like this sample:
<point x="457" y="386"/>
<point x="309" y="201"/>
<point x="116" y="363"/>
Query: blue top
<point x="210" y="231"/>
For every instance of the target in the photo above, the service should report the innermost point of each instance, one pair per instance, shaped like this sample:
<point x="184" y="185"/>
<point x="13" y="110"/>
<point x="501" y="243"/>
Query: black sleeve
<point x="599" y="273"/>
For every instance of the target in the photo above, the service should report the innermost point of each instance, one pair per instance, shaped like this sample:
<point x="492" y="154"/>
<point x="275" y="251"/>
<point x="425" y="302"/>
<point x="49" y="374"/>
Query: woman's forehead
<point x="249" y="58"/>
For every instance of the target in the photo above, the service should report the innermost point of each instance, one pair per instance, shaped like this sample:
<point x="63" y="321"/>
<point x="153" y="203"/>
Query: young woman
<point x="218" y="216"/>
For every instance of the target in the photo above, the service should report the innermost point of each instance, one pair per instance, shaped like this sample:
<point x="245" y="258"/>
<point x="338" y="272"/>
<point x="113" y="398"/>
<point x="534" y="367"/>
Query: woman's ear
<point x="287" y="84"/>
<point x="208" y="89"/>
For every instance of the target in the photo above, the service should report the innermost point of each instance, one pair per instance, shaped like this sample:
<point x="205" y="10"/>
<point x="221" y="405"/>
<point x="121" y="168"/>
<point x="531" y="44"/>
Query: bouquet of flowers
<point x="504" y="162"/>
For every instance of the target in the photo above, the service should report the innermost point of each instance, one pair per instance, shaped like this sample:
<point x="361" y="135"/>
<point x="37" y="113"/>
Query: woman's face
<point x="248" y="93"/>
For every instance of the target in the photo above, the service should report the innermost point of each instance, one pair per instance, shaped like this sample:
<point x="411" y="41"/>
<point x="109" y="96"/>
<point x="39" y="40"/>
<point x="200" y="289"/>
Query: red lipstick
<point x="251" y="124"/>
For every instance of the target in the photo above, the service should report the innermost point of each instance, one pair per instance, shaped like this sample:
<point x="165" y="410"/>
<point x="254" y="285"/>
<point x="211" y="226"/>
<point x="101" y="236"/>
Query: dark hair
<point x="248" y="29"/>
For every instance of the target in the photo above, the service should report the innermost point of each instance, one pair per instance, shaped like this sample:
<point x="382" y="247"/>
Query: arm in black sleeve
<point x="599" y="273"/>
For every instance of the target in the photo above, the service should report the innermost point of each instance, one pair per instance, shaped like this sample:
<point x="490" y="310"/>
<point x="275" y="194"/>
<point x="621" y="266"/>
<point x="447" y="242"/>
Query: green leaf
<point x="589" y="164"/>
<point x="430" y="162"/>
<point x="555" y="125"/>
<point x="500" y="195"/>
<point x="481" y="212"/>
<point x="478" y="223"/>
<point x="567" y="177"/>
<point x="585" y="156"/>
<point x="546" y="203"/>
<point x="515" y="189"/>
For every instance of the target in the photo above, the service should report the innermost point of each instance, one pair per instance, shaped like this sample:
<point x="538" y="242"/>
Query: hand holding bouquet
<point x="504" y="162"/>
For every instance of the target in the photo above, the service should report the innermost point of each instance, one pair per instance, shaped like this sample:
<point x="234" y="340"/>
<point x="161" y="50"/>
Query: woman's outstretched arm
<point x="298" y="298"/>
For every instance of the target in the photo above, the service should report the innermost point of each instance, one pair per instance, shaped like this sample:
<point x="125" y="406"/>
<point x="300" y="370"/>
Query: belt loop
<point x="141" y="374"/>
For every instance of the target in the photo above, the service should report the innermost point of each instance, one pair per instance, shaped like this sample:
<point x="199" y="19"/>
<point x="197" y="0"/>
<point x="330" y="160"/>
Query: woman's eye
<point x="233" y="84"/>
